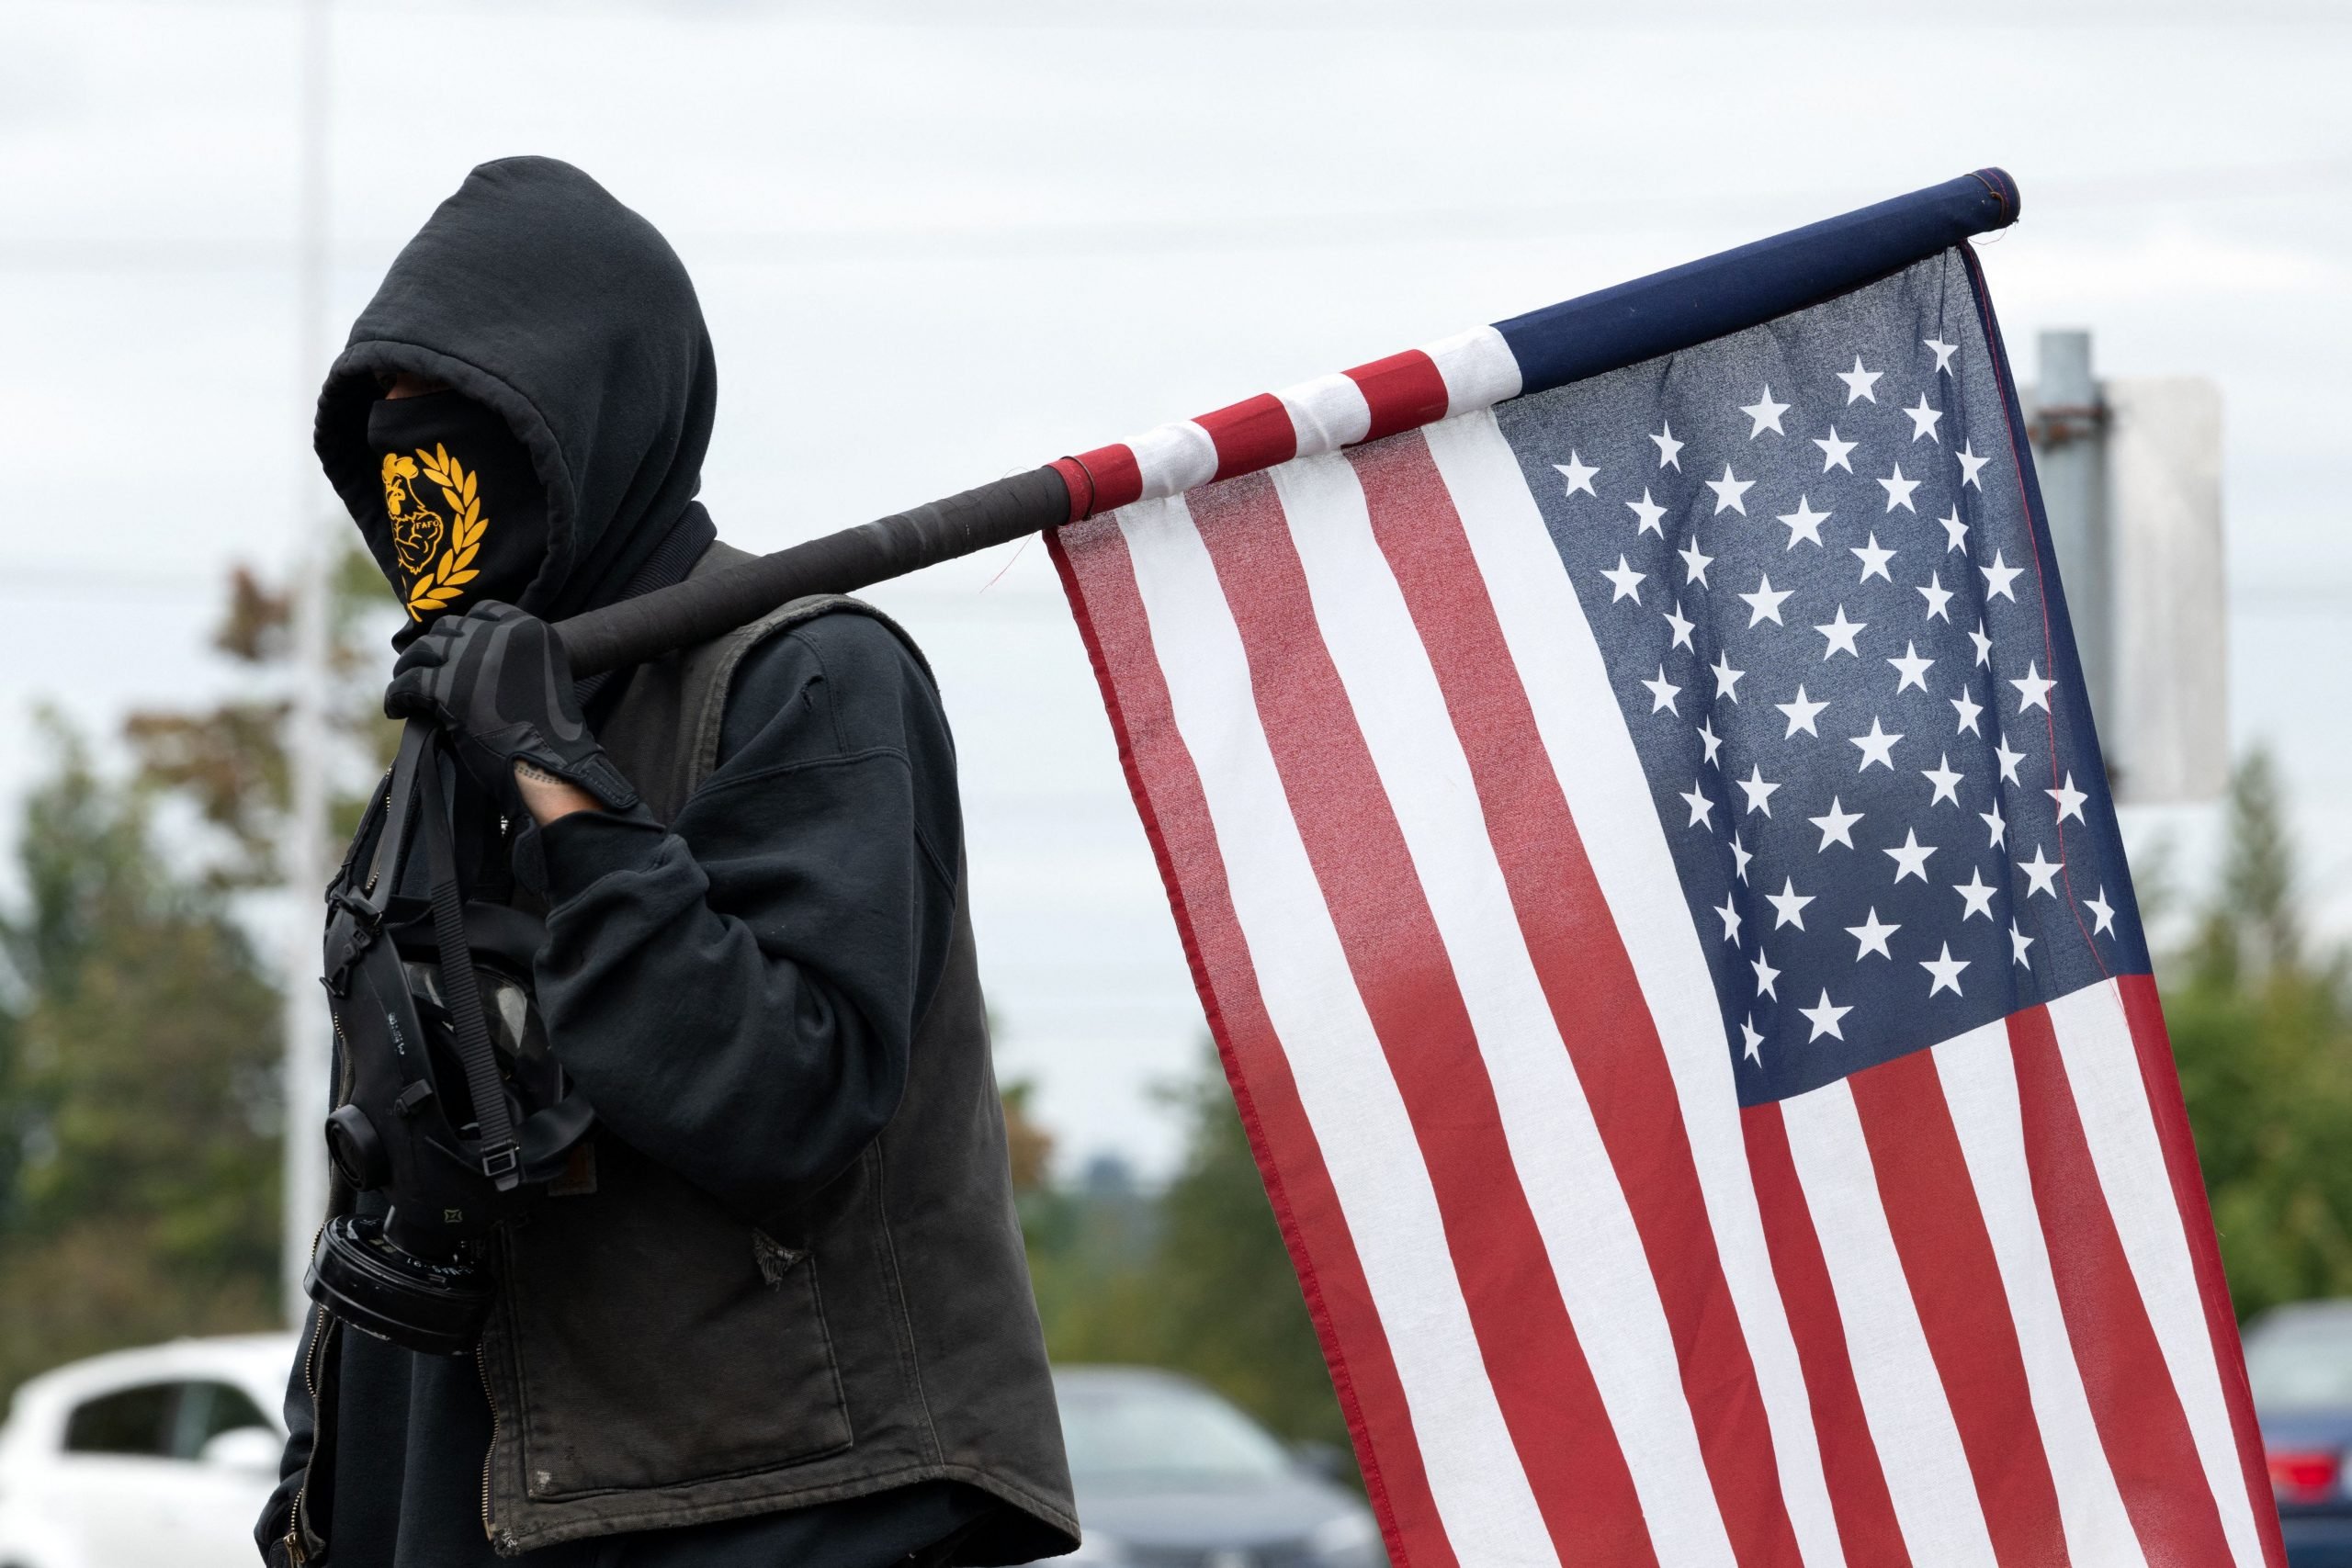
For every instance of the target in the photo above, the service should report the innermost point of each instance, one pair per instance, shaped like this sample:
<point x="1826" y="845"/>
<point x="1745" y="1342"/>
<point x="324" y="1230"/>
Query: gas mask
<point x="451" y="1106"/>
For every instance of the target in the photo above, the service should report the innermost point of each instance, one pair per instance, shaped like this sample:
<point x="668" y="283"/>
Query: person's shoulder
<point x="852" y="642"/>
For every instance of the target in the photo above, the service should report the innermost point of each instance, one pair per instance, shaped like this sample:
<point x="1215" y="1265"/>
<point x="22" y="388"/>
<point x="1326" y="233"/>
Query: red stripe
<point x="1117" y="477"/>
<point x="1099" y="578"/>
<point x="1940" y="1235"/>
<point x="2145" y="1016"/>
<point x="1397" y="960"/>
<point x="2141" y="1423"/>
<point x="1866" y="1522"/>
<point x="1080" y="485"/>
<point x="1403" y="391"/>
<point x="1251" y="435"/>
<point x="1580" y="960"/>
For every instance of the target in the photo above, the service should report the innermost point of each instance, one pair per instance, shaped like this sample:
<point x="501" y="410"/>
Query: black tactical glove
<point x="496" y="681"/>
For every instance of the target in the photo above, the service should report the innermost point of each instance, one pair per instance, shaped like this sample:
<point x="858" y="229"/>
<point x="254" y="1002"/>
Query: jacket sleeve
<point x="738" y="992"/>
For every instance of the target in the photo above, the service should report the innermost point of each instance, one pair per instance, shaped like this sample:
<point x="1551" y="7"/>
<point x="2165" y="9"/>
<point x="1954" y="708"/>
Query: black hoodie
<point x="536" y="294"/>
<point x="533" y="292"/>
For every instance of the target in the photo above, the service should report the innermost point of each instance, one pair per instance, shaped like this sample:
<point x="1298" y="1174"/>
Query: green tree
<point x="1199" y="1282"/>
<point x="2262" y="1030"/>
<point x="137" y="1090"/>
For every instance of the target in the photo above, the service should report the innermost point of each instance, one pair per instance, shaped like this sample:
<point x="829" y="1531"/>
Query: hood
<point x="535" y="293"/>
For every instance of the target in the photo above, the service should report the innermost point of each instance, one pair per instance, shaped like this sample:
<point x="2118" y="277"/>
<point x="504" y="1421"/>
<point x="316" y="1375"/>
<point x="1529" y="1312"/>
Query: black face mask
<point x="469" y="514"/>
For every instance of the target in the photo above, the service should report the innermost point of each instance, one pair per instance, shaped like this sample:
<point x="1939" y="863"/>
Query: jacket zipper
<point x="294" y="1551"/>
<point x="481" y="1366"/>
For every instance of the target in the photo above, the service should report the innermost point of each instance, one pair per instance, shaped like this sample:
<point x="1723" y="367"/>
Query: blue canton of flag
<point x="1811" y="552"/>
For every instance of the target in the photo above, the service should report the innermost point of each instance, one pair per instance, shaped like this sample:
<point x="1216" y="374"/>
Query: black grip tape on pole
<point x="701" y="608"/>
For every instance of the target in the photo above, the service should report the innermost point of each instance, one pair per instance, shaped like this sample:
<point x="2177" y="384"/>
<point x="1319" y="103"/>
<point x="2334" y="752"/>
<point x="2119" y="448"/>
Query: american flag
<point x="1645" y="856"/>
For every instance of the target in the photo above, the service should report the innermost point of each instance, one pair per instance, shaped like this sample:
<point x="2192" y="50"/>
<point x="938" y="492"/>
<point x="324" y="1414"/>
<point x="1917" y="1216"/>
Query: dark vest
<point x="655" y="1361"/>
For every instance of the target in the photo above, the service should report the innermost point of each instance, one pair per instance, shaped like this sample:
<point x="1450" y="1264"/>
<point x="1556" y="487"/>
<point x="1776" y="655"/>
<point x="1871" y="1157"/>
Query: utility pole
<point x="2130" y="470"/>
<point x="306" y="1026"/>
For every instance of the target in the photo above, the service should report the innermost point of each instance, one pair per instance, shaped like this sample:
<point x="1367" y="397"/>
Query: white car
<point x="160" y="1455"/>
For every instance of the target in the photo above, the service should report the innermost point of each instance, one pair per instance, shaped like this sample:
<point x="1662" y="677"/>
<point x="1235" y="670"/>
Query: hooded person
<point x="775" y="1310"/>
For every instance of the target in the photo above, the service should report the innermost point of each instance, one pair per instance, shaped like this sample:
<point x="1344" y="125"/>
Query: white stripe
<point x="1980" y="1087"/>
<point x="2103" y="1071"/>
<point x="1174" y="457"/>
<point x="1563" y="1166"/>
<point x="1327" y="412"/>
<point x="1911" y="1422"/>
<point x="1479" y="368"/>
<point x="1364" y="1134"/>
<point x="1584" y="733"/>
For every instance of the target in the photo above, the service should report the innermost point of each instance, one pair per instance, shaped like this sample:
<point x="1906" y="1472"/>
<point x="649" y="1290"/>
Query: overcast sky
<point x="939" y="243"/>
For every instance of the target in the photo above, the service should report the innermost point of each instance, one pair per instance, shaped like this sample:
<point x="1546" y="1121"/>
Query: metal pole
<point x="2070" y="455"/>
<point x="307" y="1029"/>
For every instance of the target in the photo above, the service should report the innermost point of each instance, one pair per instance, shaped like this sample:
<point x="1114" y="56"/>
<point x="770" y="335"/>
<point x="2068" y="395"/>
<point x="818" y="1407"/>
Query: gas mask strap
<point x="500" y="1161"/>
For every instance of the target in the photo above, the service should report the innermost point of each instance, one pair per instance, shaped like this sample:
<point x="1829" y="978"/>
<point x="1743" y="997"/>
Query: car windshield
<point x="1163" y="1433"/>
<point x="2302" y="1366"/>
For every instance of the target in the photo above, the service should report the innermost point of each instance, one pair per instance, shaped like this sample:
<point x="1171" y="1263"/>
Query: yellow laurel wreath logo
<point x="417" y="528"/>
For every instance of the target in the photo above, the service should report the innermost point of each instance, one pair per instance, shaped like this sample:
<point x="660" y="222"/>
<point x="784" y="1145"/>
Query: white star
<point x="1662" y="692"/>
<point x="1680" y="627"/>
<point x="1954" y="530"/>
<point x="1834" y="451"/>
<point x="1858" y="382"/>
<point x="2019" y="942"/>
<point x="1873" y="936"/>
<point x="1804" y="523"/>
<point x="2070" y="799"/>
<point x="1984" y="644"/>
<point x="1939" y="598"/>
<point x="1911" y="668"/>
<point x="1740" y="856"/>
<point x="1764" y="605"/>
<point x="2033" y="688"/>
<point x="1836" y="825"/>
<point x="1923" y="421"/>
<point x="1579" y="475"/>
<point x="1728" y="491"/>
<point x="1646" y="513"/>
<point x="1766" y="413"/>
<point x="2043" y="871"/>
<point x="1946" y="780"/>
<point x="1823" y="1019"/>
<point x="1799" y="714"/>
<point x="1970" y="465"/>
<point x="1726" y="678"/>
<point x="1702" y="808"/>
<point x="1758" y="791"/>
<point x="1749" y="1040"/>
<point x="1910" y="857"/>
<point x="2008" y="759"/>
<point x="1840" y="633"/>
<point x="1999" y="577"/>
<point x="1878" y="746"/>
<point x="1899" y="490"/>
<point x="1995" y="827"/>
<point x="1788" y="904"/>
<point x="2102" y="912"/>
<point x="1977" y="895"/>
<point x="1765" y="974"/>
<point x="1967" y="708"/>
<point x="1670" y="450"/>
<point x="1695" y="563"/>
<point x="1728" y="912"/>
<point x="1624" y="579"/>
<point x="1710" y="739"/>
<point x="1873" y="559"/>
<point x="1945" y="970"/>
<point x="1943" y="351"/>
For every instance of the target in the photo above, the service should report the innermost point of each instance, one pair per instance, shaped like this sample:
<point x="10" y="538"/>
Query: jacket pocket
<point x="659" y="1341"/>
